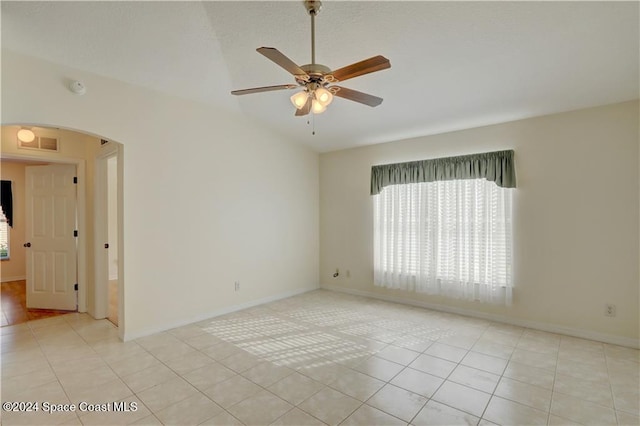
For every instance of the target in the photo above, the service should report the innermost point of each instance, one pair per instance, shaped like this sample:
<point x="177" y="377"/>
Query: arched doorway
<point x="86" y="153"/>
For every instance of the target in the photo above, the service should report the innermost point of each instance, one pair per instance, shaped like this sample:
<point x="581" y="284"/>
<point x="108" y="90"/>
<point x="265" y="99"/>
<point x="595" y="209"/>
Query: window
<point x="6" y="216"/>
<point x="4" y="238"/>
<point x="449" y="237"/>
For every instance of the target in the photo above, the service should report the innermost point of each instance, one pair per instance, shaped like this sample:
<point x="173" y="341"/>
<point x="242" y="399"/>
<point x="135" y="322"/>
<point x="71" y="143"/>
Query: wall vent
<point x="41" y="143"/>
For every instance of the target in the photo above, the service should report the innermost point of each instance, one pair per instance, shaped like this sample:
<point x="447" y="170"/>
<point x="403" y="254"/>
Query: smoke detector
<point x="77" y="87"/>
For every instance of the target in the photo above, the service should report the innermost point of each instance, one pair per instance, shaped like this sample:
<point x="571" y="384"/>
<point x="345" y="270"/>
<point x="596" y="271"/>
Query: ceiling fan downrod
<point x="313" y="8"/>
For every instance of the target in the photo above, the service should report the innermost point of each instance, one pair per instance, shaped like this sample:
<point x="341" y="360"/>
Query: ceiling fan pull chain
<point x="312" y="122"/>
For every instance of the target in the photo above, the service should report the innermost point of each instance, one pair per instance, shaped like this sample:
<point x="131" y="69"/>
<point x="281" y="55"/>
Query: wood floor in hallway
<point x="14" y="305"/>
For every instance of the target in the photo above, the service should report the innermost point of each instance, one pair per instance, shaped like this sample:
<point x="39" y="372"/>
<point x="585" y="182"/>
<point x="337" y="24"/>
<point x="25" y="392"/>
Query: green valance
<point x="495" y="166"/>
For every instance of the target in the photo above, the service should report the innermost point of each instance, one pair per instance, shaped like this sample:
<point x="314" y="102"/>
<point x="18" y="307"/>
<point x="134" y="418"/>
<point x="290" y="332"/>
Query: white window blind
<point x="4" y="237"/>
<point x="450" y="238"/>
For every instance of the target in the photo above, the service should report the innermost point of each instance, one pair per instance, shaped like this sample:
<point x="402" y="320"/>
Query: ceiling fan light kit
<point x="323" y="96"/>
<point x="320" y="99"/>
<point x="315" y="79"/>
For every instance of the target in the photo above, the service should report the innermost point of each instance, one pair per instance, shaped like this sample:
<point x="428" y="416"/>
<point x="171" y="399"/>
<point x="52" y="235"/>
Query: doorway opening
<point x="84" y="152"/>
<point x="108" y="226"/>
<point x="112" y="232"/>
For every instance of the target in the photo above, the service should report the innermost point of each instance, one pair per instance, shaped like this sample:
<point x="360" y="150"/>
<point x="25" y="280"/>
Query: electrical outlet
<point x="610" y="310"/>
<point x="237" y="285"/>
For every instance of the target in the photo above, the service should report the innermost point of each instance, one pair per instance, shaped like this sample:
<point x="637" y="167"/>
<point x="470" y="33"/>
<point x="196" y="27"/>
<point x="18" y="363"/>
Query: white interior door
<point x="51" y="244"/>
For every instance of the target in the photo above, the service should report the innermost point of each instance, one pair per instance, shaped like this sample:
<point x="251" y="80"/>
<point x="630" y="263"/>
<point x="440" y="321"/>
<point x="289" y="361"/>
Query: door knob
<point x="27" y="244"/>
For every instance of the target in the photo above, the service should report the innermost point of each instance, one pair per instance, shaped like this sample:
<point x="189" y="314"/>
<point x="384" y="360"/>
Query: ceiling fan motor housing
<point x="316" y="73"/>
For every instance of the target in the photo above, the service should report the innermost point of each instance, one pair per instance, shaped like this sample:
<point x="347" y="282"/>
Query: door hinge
<point x="75" y="179"/>
<point x="75" y="233"/>
<point x="75" y="286"/>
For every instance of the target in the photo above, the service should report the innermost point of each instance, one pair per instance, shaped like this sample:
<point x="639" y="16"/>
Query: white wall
<point x="575" y="209"/>
<point x="243" y="202"/>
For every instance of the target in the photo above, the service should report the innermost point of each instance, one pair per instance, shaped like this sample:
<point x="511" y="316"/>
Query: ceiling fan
<point x="315" y="78"/>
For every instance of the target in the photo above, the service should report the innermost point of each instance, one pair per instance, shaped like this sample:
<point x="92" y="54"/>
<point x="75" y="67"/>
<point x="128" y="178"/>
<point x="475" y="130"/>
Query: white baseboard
<point x="552" y="328"/>
<point x="7" y="279"/>
<point x="222" y="311"/>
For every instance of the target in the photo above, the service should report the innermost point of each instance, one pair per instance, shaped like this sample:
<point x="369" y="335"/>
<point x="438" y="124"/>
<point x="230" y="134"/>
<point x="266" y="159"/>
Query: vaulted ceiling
<point x="454" y="65"/>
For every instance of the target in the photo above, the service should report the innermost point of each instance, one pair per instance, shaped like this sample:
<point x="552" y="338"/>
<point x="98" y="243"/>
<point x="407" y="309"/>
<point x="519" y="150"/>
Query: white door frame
<point x="81" y="212"/>
<point x="108" y="150"/>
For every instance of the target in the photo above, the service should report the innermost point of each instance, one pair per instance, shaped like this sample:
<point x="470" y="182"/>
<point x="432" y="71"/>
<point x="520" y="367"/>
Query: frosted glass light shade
<point x="299" y="99"/>
<point x="26" y="135"/>
<point x="317" y="107"/>
<point x="323" y="96"/>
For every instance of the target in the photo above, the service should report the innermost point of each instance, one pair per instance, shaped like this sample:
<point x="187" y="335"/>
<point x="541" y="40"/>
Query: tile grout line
<point x="386" y="328"/>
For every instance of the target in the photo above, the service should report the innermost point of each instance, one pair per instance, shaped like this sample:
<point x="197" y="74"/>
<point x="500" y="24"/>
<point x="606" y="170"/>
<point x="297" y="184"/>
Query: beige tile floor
<point x="320" y="358"/>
